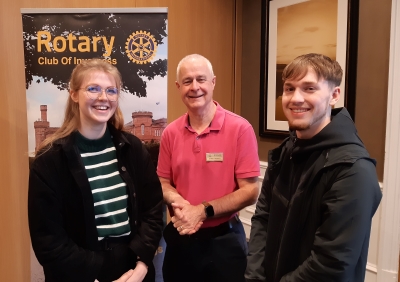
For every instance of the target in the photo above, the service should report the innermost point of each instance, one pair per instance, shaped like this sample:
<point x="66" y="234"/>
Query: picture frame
<point x="294" y="27"/>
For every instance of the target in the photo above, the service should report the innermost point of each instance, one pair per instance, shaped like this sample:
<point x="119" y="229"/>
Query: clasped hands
<point x="187" y="218"/>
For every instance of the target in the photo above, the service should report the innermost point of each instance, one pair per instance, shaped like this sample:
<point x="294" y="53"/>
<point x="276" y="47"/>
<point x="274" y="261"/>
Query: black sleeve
<point x="150" y="201"/>
<point x="55" y="251"/>
<point x="255" y="270"/>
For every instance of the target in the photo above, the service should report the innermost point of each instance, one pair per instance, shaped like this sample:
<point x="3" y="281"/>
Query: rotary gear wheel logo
<point x="141" y="47"/>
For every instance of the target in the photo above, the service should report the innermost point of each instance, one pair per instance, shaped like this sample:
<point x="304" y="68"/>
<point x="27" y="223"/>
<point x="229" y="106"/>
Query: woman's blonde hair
<point x="72" y="116"/>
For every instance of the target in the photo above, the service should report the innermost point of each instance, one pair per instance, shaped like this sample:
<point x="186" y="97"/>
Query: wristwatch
<point x="209" y="210"/>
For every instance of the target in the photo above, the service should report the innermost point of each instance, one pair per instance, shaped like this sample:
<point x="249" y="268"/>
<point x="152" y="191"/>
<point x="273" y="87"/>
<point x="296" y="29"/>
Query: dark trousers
<point x="219" y="259"/>
<point x="119" y="258"/>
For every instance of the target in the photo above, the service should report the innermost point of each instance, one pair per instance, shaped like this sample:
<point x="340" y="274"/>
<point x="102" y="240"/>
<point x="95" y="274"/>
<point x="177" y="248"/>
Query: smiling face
<point x="196" y="85"/>
<point x="307" y="104"/>
<point x="94" y="114"/>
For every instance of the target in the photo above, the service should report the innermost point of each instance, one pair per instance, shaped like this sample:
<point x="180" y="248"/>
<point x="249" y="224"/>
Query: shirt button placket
<point x="197" y="144"/>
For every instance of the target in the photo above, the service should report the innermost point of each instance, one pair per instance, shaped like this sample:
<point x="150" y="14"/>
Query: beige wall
<point x="372" y="74"/>
<point x="205" y="27"/>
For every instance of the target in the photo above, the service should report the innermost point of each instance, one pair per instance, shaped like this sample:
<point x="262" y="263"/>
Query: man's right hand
<point x="187" y="219"/>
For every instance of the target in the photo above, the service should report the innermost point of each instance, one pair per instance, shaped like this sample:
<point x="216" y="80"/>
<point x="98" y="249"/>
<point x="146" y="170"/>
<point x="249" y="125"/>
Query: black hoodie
<point x="341" y="131"/>
<point x="313" y="216"/>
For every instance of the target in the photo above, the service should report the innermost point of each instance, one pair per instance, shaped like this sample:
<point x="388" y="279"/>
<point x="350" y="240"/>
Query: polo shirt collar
<point x="216" y="123"/>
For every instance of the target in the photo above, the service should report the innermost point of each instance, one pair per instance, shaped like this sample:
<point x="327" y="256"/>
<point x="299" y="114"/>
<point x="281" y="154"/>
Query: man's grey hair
<point x="193" y="57"/>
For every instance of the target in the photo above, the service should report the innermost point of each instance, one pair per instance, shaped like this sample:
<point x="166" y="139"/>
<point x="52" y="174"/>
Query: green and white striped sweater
<point x="108" y="188"/>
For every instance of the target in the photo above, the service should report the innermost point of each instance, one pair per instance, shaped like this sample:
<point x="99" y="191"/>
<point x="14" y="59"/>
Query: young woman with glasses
<point x="95" y="201"/>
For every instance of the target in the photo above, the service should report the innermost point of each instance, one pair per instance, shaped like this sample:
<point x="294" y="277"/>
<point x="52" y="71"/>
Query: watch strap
<point x="208" y="209"/>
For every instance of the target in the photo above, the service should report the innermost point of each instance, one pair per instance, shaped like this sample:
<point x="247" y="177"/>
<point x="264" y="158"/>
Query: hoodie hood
<point x="340" y="131"/>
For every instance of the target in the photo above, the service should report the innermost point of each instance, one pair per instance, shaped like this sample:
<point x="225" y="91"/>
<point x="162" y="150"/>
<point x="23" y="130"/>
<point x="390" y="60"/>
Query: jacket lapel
<point x="79" y="173"/>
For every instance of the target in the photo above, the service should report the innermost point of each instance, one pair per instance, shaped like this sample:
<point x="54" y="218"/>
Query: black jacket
<point x="61" y="214"/>
<point x="320" y="230"/>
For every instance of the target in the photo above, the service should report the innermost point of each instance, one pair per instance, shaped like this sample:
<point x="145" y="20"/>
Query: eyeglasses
<point x="95" y="91"/>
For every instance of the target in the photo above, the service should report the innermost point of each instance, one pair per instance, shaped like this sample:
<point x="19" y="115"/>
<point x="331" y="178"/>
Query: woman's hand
<point x="135" y="275"/>
<point x="125" y="276"/>
<point x="139" y="272"/>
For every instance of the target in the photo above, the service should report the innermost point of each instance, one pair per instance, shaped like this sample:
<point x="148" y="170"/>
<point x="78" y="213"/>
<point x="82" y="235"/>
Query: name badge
<point x="214" y="157"/>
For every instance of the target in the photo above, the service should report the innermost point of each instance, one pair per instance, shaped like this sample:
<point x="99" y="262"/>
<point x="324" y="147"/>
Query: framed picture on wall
<point x="294" y="27"/>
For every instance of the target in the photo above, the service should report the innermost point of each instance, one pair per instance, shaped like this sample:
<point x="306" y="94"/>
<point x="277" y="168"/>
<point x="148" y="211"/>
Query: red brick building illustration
<point x="142" y="126"/>
<point x="145" y="127"/>
<point x="42" y="127"/>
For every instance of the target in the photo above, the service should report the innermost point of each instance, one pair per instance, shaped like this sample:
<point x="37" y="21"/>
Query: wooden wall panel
<point x="372" y="77"/>
<point x="14" y="239"/>
<point x="205" y="27"/>
<point x="238" y="37"/>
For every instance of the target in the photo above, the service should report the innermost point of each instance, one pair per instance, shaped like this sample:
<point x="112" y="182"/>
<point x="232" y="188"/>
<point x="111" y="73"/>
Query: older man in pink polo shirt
<point x="208" y="167"/>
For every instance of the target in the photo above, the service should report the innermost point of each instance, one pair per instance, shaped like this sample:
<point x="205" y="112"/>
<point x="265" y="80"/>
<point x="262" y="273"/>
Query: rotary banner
<point x="132" y="39"/>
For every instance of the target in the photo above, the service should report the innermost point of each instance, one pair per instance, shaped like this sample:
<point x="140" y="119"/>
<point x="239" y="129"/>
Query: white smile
<point x="101" y="108"/>
<point x="299" y="110"/>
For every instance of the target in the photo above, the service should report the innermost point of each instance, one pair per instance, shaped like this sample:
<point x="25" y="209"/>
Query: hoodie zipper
<point x="280" y="241"/>
<point x="287" y="213"/>
<point x="294" y="145"/>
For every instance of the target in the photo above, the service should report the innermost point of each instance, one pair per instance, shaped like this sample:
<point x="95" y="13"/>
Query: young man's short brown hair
<point x="323" y="66"/>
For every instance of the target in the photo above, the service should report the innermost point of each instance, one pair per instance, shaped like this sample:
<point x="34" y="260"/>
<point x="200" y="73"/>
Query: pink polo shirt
<point x="205" y="166"/>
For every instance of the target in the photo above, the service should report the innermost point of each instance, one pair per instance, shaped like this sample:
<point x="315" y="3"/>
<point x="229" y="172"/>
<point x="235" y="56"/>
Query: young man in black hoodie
<point x="313" y="216"/>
